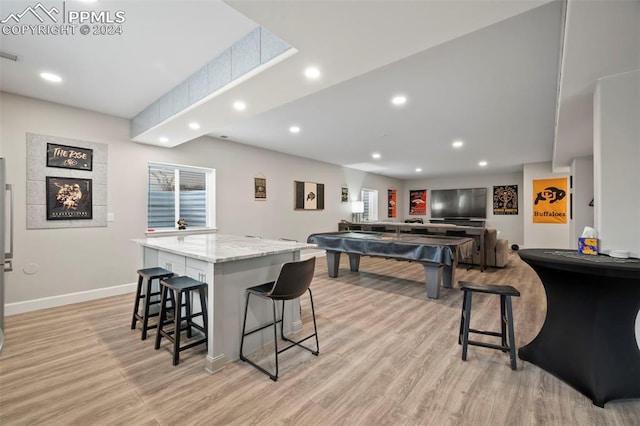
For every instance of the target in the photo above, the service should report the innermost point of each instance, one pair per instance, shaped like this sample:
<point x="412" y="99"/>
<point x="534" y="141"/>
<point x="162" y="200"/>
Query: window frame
<point x="368" y="208"/>
<point x="210" y="194"/>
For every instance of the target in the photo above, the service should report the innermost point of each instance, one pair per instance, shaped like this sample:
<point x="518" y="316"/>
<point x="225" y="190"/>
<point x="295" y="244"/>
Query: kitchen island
<point x="228" y="264"/>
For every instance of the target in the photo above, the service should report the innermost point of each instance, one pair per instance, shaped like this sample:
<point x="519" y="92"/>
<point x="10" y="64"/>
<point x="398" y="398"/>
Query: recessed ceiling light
<point x="239" y="106"/>
<point x="418" y="170"/>
<point x="164" y="139"/>
<point x="399" y="100"/>
<point x="194" y="126"/>
<point x="312" y="73"/>
<point x="376" y="155"/>
<point x="457" y="144"/>
<point x="294" y="129"/>
<point x="51" y="77"/>
<point x="482" y="163"/>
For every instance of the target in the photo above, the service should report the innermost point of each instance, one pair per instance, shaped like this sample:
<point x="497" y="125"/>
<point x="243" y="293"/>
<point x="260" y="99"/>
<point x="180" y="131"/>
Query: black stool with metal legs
<point x="507" y="336"/>
<point x="148" y="274"/>
<point x="292" y="282"/>
<point x="179" y="289"/>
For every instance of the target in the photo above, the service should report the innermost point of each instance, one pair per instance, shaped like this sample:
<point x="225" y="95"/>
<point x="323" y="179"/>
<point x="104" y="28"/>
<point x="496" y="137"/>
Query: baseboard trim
<point x="67" y="299"/>
<point x="85" y="296"/>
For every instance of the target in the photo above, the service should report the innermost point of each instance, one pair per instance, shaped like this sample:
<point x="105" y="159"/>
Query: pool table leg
<point x="333" y="263"/>
<point x="354" y="262"/>
<point x="448" y="275"/>
<point x="432" y="276"/>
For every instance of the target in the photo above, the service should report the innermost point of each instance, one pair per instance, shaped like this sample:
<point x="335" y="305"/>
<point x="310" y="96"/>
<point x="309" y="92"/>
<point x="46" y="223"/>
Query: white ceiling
<point x="482" y="71"/>
<point x="162" y="42"/>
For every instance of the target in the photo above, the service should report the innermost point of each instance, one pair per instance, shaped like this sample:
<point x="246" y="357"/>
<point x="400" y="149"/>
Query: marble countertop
<point x="218" y="248"/>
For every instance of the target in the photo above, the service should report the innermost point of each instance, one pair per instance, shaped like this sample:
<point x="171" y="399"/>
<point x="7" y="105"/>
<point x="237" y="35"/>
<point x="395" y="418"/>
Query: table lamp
<point x="357" y="208"/>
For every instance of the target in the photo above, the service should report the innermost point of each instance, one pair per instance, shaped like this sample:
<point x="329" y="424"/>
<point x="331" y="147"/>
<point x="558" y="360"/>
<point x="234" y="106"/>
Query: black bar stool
<point x="505" y="292"/>
<point x="148" y="274"/>
<point x="179" y="289"/>
<point x="293" y="281"/>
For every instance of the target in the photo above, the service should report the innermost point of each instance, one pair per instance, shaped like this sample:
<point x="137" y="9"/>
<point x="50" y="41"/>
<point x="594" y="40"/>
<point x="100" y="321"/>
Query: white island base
<point x="229" y="265"/>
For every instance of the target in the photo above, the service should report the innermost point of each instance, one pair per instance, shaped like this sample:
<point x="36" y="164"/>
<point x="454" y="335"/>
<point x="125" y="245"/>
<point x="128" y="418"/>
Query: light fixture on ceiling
<point x="54" y="78"/>
<point x="163" y="139"/>
<point x="376" y="155"/>
<point x="457" y="144"/>
<point x="399" y="100"/>
<point x="418" y="170"/>
<point x="312" y="73"/>
<point x="239" y="106"/>
<point x="194" y="126"/>
<point x="482" y="163"/>
<point x="294" y="129"/>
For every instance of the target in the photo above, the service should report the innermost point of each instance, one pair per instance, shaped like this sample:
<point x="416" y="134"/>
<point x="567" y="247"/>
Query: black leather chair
<point x="293" y="281"/>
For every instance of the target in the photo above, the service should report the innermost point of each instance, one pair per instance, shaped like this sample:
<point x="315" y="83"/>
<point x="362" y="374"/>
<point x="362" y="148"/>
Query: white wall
<point x="542" y="235"/>
<point x="582" y="172"/>
<point x="85" y="261"/>
<point x="617" y="162"/>
<point x="509" y="226"/>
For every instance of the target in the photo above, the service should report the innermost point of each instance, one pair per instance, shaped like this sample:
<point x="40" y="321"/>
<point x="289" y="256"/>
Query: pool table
<point x="438" y="254"/>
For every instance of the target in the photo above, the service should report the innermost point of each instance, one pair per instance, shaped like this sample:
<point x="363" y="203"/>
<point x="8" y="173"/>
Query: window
<point x="177" y="192"/>
<point x="370" y="198"/>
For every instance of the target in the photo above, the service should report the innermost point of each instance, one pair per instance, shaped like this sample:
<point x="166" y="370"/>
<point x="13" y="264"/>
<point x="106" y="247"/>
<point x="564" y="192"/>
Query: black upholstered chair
<point x="293" y="281"/>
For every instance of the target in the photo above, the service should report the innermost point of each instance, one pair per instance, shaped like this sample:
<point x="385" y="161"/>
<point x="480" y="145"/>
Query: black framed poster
<point x="69" y="157"/>
<point x="69" y="198"/>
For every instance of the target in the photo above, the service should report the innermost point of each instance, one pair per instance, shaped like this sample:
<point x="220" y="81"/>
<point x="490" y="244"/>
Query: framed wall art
<point x="418" y="202"/>
<point x="69" y="157"/>
<point x="391" y="202"/>
<point x="308" y="195"/>
<point x="505" y="200"/>
<point x="69" y="198"/>
<point x="260" y="187"/>
<point x="344" y="194"/>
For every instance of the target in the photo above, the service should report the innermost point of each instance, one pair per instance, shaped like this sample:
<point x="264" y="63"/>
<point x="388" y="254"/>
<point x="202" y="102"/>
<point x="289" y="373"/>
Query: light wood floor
<point x="388" y="355"/>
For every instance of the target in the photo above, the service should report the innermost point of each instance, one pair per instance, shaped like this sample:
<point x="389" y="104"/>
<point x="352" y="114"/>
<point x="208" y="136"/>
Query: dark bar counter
<point x="588" y="337"/>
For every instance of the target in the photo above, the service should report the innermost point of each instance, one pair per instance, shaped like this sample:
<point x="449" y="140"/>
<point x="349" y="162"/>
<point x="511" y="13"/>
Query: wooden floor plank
<point x="388" y="355"/>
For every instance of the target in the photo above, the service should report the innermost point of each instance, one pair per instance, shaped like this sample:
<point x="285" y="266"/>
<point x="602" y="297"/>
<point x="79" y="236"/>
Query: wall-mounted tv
<point x="463" y="203"/>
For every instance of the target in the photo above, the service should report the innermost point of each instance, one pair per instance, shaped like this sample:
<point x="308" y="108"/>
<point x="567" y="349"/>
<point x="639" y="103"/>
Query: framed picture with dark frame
<point x="69" y="198"/>
<point x="308" y="196"/>
<point x="69" y="157"/>
<point x="260" y="188"/>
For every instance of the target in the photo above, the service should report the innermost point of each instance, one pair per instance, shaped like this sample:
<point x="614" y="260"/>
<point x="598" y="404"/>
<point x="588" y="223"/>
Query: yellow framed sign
<point x="550" y="200"/>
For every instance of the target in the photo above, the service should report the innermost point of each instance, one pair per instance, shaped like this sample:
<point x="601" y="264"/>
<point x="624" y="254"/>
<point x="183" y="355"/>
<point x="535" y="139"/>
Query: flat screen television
<point x="463" y="203"/>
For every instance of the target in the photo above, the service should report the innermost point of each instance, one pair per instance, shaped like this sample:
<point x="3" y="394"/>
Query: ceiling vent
<point x="8" y="56"/>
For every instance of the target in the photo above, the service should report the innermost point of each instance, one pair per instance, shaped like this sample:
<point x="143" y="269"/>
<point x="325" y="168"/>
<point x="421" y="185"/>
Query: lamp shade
<point x="357" y="207"/>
